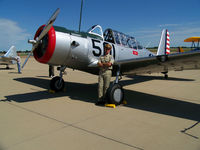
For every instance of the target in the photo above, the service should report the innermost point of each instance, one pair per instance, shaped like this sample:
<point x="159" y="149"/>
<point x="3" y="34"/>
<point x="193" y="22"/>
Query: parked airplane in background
<point x="195" y="42"/>
<point x="9" y="58"/>
<point x="81" y="50"/>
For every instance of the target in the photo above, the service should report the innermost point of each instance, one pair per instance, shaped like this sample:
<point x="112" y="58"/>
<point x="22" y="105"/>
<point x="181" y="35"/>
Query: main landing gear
<point x="57" y="83"/>
<point x="115" y="92"/>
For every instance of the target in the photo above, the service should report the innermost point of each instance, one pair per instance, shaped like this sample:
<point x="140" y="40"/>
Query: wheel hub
<point x="117" y="95"/>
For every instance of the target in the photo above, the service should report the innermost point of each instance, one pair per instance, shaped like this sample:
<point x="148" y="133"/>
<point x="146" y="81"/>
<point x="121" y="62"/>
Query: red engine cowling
<point x="54" y="48"/>
<point x="45" y="50"/>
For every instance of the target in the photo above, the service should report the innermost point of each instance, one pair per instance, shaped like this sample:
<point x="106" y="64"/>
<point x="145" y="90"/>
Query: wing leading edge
<point x="177" y="62"/>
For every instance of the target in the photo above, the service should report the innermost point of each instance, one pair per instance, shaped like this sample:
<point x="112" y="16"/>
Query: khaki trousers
<point x="104" y="83"/>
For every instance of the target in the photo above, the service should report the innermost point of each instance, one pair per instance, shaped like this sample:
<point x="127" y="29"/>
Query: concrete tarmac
<point x="159" y="115"/>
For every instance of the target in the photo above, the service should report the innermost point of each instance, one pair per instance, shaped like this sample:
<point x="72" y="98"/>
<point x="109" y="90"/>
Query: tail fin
<point x="164" y="46"/>
<point x="11" y="52"/>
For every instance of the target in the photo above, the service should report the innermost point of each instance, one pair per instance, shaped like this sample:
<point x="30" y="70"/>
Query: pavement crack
<point x="76" y="127"/>
<point x="34" y="137"/>
<point x="108" y="138"/>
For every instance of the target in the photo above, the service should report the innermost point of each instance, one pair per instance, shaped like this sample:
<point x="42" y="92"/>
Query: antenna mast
<point x="80" y="15"/>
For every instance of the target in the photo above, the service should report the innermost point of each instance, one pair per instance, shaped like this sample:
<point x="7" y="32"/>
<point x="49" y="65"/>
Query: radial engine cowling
<point x="53" y="48"/>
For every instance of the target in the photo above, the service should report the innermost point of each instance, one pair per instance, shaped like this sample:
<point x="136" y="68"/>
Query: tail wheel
<point x="115" y="94"/>
<point x="57" y="84"/>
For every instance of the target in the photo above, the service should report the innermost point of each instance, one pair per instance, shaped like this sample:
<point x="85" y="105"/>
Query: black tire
<point x="54" y="84"/>
<point x="115" y="94"/>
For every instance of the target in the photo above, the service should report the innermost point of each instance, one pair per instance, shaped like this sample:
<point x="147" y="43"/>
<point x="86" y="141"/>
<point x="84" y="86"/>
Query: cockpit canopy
<point x="122" y="39"/>
<point x="115" y="37"/>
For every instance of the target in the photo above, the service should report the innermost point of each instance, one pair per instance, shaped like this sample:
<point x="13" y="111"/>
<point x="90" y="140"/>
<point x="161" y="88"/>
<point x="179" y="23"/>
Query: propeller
<point x="46" y="29"/>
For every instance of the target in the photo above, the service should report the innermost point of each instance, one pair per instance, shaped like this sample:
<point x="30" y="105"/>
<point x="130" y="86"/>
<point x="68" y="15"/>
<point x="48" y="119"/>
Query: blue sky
<point x="143" y="19"/>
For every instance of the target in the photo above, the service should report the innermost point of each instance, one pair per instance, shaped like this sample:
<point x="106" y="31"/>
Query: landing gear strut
<point x="115" y="92"/>
<point x="57" y="83"/>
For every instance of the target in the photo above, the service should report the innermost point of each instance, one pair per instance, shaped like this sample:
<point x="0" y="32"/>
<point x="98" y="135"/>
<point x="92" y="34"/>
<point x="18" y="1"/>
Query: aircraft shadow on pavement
<point x="76" y="91"/>
<point x="143" y="78"/>
<point x="7" y="69"/>
<point x="158" y="104"/>
<point x="136" y="100"/>
<point x="162" y="105"/>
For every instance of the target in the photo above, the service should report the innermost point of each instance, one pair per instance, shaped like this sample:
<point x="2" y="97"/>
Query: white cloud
<point x="168" y="25"/>
<point x="178" y="32"/>
<point x="11" y="34"/>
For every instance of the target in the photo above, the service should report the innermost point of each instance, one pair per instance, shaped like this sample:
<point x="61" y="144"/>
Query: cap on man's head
<point x="108" y="46"/>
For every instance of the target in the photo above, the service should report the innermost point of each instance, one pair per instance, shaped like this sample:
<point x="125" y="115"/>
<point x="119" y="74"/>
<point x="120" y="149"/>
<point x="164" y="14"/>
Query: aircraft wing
<point x="7" y="58"/>
<point x="177" y="61"/>
<point x="192" y="39"/>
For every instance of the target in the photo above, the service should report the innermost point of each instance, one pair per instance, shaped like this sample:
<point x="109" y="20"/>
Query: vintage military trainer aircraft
<point x="9" y="58"/>
<point x="81" y="50"/>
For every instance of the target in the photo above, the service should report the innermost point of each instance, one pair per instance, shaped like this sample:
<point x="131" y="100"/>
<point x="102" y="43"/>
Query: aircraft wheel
<point x="55" y="85"/>
<point x="116" y="94"/>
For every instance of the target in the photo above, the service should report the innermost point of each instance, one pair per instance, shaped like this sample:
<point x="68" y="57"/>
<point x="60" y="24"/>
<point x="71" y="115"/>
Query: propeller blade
<point x="26" y="59"/>
<point x="35" y="45"/>
<point x="53" y="17"/>
<point x="43" y="33"/>
<point x="49" y="24"/>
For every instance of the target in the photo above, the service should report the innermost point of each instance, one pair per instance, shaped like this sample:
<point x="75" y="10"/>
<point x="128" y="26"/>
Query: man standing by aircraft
<point x="18" y="59"/>
<point x="105" y="72"/>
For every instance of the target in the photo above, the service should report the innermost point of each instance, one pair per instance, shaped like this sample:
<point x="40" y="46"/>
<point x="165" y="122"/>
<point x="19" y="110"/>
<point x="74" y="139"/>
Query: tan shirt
<point x="106" y="59"/>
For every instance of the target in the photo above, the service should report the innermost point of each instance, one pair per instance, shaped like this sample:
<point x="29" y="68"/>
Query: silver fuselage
<point x="82" y="50"/>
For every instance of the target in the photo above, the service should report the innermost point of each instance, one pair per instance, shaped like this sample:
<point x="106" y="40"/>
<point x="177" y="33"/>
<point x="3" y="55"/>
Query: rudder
<point x="164" y="45"/>
<point x="11" y="52"/>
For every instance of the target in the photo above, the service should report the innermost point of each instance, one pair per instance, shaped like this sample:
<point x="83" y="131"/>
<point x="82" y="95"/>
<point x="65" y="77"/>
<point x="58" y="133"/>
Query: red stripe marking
<point x="135" y="53"/>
